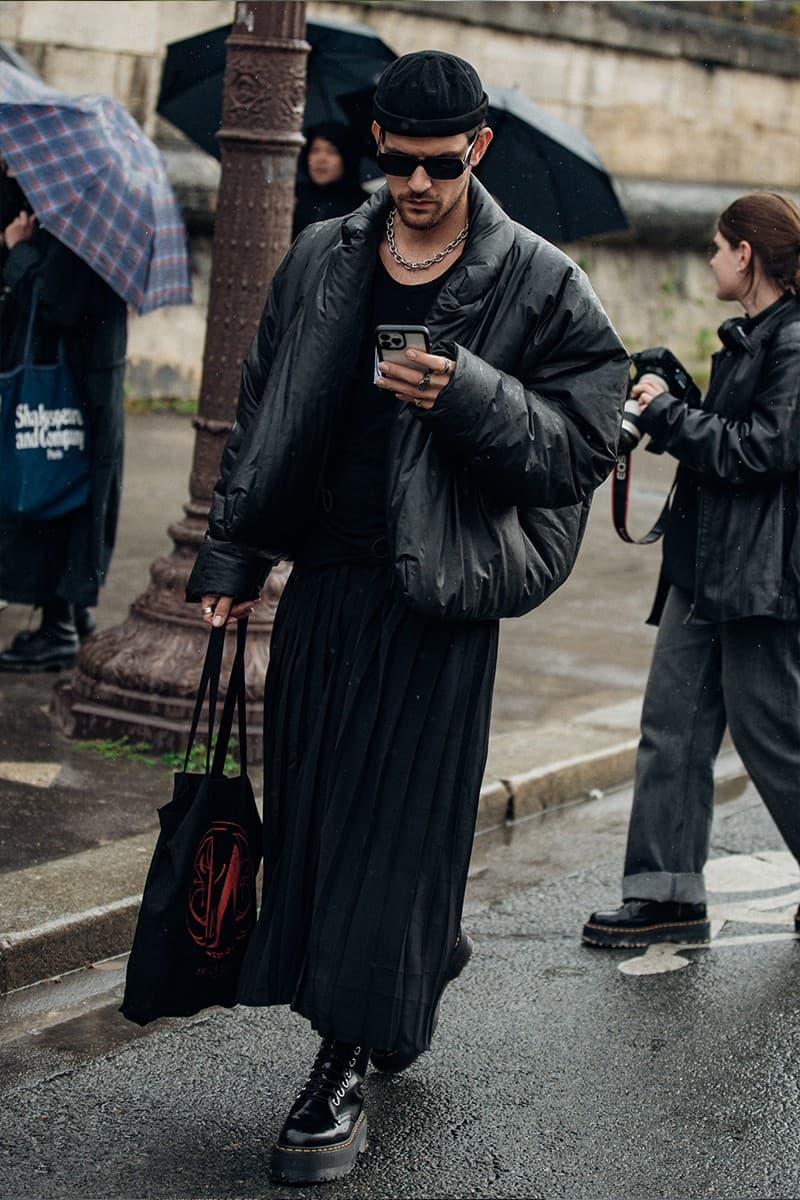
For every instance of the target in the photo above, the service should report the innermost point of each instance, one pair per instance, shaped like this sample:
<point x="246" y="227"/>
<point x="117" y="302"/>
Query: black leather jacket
<point x="488" y="492"/>
<point x="743" y="447"/>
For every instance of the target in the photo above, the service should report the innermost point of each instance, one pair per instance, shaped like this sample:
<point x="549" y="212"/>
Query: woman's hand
<point x="218" y="610"/>
<point x="647" y="388"/>
<point x="20" y="230"/>
<point x="433" y="371"/>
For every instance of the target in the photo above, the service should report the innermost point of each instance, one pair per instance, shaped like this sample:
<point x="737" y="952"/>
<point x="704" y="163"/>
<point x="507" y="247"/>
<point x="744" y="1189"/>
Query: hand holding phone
<point x="418" y="379"/>
<point x="392" y="341"/>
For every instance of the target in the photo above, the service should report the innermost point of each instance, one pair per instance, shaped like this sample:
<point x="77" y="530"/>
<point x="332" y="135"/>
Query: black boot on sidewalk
<point x="643" y="922"/>
<point x="51" y="647"/>
<point x="797" y="920"/>
<point x="392" y="1062"/>
<point x="326" y="1128"/>
<point x="85" y="623"/>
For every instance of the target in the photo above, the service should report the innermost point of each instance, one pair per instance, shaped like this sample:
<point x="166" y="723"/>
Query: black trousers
<point x="745" y="674"/>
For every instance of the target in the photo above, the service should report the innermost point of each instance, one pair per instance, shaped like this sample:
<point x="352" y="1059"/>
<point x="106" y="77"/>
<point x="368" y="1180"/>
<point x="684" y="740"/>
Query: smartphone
<point x="392" y="341"/>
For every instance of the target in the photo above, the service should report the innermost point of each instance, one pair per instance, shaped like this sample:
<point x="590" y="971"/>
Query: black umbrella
<point x="343" y="58"/>
<point x="545" y="173"/>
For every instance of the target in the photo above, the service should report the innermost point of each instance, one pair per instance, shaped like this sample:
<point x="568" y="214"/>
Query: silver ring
<point x="423" y="383"/>
<point x="447" y="367"/>
<point x="417" y="403"/>
<point x="208" y="610"/>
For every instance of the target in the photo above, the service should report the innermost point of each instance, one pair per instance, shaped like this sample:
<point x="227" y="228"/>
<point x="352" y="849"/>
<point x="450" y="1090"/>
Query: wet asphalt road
<point x="553" y="1074"/>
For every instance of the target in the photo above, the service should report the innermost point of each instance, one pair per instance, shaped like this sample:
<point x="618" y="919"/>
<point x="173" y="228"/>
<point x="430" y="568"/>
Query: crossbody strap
<point x="620" y="496"/>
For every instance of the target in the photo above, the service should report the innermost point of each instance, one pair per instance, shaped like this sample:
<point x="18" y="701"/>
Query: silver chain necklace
<point x="428" y="262"/>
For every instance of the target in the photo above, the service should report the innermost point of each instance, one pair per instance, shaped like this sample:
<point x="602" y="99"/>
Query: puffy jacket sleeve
<point x="763" y="446"/>
<point x="550" y="439"/>
<point x="222" y="567"/>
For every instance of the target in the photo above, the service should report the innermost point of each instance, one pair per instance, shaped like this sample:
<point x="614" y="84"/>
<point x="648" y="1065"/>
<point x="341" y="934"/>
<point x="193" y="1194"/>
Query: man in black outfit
<point x="419" y="504"/>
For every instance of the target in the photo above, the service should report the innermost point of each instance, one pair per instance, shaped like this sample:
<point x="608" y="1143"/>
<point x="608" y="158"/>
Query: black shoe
<point x="326" y="1128"/>
<point x="85" y="623"/>
<point x="797" y="920"/>
<point x="50" y="648"/>
<point x="392" y="1062"/>
<point x="643" y="922"/>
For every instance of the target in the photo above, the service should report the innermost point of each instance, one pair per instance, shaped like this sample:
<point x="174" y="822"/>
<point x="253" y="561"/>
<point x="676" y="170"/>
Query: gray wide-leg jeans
<point x="745" y="673"/>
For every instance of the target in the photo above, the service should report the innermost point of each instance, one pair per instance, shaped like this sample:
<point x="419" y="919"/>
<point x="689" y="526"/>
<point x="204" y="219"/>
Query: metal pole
<point x="139" y="679"/>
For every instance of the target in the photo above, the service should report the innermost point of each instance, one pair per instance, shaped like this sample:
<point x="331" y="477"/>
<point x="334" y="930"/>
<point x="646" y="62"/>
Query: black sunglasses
<point x="391" y="162"/>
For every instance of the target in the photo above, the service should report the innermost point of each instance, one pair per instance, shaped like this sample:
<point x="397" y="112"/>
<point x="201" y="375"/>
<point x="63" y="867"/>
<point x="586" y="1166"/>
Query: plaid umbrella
<point x="98" y="184"/>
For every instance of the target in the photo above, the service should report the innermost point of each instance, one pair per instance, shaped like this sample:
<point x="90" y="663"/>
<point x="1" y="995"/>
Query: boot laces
<point x="331" y="1073"/>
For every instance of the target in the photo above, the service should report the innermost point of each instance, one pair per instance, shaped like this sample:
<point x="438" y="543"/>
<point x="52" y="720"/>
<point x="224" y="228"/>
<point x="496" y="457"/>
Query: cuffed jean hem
<point x="665" y="888"/>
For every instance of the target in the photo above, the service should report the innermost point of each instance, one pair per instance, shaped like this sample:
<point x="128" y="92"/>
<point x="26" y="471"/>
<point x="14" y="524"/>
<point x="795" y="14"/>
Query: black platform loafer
<point x="643" y="922"/>
<point x="48" y="649"/>
<point x="326" y="1128"/>
<point x="392" y="1062"/>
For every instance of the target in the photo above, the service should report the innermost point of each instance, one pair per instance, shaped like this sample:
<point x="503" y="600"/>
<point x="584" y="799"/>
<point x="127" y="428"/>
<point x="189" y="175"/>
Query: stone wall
<point x="661" y="92"/>
<point x="686" y="110"/>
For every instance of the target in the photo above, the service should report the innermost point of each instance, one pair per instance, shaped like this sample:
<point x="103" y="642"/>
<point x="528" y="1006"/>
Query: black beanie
<point x="429" y="94"/>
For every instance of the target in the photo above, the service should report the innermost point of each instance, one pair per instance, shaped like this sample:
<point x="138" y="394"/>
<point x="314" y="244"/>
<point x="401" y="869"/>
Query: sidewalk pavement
<point x="77" y="826"/>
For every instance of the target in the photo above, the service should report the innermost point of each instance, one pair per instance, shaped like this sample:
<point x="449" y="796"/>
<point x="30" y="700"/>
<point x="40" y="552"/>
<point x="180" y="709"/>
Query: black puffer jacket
<point x="742" y="447"/>
<point x="488" y="492"/>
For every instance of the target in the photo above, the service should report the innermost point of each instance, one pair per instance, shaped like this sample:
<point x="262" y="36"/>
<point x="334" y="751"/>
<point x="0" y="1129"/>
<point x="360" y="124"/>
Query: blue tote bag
<point x="44" y="453"/>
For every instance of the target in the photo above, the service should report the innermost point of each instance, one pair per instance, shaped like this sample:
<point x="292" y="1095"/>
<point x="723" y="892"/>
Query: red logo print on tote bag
<point x="222" y="893"/>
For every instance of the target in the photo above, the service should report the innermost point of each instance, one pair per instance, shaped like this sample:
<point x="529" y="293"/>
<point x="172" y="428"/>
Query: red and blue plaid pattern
<point x="98" y="184"/>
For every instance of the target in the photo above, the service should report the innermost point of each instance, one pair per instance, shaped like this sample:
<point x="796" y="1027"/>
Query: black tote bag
<point x="199" y="902"/>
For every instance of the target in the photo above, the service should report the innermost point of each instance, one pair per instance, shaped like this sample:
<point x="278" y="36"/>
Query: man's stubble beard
<point x="425" y="221"/>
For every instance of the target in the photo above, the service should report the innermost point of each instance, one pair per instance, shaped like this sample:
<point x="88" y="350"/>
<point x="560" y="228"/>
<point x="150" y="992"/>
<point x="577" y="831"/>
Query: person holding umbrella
<point x="327" y="173"/>
<point x="106" y="233"/>
<point x="58" y="565"/>
<point x="419" y="503"/>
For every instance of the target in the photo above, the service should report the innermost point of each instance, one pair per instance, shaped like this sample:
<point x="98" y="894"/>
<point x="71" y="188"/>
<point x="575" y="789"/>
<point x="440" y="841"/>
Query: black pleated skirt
<point x="376" y="732"/>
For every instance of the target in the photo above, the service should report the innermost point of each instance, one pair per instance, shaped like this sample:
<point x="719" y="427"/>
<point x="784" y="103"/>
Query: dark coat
<point x="488" y="492"/>
<point x="742" y="447"/>
<point x="67" y="558"/>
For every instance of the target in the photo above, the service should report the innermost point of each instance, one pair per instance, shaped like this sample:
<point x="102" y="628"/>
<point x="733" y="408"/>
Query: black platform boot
<point x="51" y="647"/>
<point x="326" y="1128"/>
<point x="644" y="922"/>
<point x="392" y="1062"/>
<point x="85" y="623"/>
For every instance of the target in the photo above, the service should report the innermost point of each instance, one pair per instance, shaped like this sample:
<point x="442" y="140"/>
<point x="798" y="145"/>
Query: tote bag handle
<point x="234" y="698"/>
<point x="27" y="352"/>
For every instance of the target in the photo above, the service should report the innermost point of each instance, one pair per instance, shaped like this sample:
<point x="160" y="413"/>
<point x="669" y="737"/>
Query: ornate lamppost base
<point x="139" y="680"/>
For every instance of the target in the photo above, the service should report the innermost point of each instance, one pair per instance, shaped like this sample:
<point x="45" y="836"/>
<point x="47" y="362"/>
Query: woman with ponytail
<point x="728" y="601"/>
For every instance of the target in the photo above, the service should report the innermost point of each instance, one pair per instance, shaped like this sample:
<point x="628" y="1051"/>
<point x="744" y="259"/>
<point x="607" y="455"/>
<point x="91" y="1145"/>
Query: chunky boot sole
<point x="319" y="1164"/>
<point x="392" y="1062"/>
<point x="609" y="936"/>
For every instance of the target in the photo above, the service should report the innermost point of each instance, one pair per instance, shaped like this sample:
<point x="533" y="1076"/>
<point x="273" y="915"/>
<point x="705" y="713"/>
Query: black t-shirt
<point x="351" y="527"/>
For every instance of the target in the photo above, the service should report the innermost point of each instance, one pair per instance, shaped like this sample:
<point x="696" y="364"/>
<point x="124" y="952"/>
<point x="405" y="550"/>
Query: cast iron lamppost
<point x="139" y="679"/>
